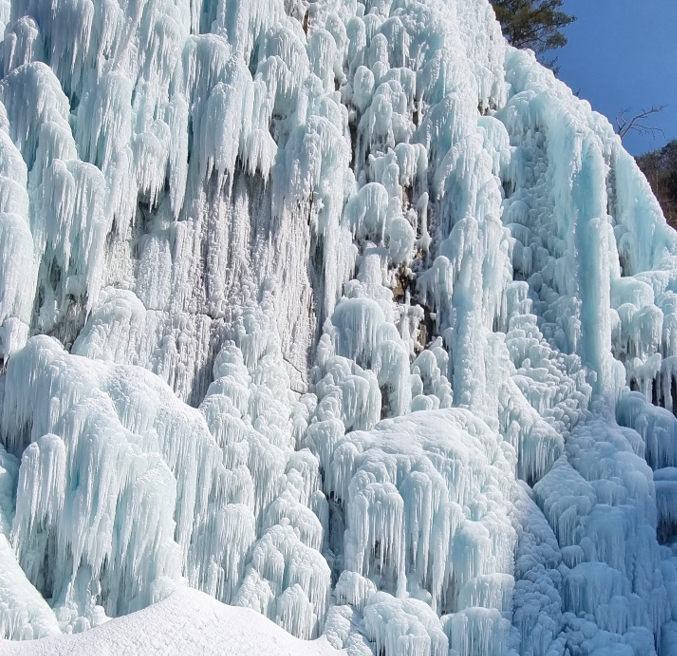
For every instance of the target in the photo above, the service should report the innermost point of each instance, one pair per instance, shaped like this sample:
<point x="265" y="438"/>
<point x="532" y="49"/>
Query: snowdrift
<point x="187" y="622"/>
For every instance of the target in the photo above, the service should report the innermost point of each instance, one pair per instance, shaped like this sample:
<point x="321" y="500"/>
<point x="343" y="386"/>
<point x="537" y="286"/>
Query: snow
<point x="340" y="311"/>
<point x="187" y="621"/>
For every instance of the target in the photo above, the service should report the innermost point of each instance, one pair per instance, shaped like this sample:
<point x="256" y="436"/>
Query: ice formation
<point x="343" y="311"/>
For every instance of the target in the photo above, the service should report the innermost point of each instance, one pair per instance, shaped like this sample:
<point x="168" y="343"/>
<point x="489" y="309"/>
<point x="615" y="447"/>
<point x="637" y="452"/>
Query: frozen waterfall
<point x="343" y="311"/>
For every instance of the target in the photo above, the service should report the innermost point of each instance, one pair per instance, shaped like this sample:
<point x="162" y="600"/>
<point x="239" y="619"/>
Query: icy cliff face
<point x="342" y="311"/>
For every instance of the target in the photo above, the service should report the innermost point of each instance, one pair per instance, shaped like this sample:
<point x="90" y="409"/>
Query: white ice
<point x="343" y="311"/>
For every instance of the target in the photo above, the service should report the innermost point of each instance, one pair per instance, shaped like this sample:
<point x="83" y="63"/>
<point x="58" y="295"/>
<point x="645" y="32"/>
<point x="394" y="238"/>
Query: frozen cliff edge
<point x="344" y="312"/>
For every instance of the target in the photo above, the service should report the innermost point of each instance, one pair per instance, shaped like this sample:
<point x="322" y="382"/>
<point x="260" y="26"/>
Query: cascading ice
<point x="340" y="310"/>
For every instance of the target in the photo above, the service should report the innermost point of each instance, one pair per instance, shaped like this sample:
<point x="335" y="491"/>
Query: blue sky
<point x="623" y="54"/>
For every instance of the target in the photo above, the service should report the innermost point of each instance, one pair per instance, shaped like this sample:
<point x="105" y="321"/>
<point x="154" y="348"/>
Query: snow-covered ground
<point x="341" y="311"/>
<point x="187" y="622"/>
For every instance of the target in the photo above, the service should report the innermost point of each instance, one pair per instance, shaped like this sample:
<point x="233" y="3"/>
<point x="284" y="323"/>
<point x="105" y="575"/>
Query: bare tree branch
<point x="625" y="124"/>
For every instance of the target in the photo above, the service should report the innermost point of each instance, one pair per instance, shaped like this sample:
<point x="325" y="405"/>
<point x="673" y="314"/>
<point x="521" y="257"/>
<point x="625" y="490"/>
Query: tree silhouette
<point x="535" y="24"/>
<point x="636" y="123"/>
<point x="660" y="168"/>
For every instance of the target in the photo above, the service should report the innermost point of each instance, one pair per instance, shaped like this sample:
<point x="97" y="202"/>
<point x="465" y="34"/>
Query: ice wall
<point x="343" y="311"/>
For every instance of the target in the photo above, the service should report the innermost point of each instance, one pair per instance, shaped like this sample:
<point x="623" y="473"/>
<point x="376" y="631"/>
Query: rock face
<point x="342" y="311"/>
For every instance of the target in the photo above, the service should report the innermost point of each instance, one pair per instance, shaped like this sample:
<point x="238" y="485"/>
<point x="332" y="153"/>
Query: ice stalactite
<point x="341" y="310"/>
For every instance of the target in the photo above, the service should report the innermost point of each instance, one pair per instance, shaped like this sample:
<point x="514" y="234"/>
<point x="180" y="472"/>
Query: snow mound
<point x="187" y="622"/>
